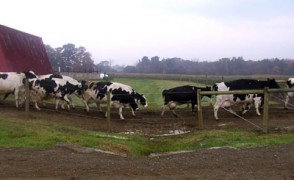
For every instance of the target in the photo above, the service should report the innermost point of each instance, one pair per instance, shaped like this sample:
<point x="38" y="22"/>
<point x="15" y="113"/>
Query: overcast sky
<point x="123" y="31"/>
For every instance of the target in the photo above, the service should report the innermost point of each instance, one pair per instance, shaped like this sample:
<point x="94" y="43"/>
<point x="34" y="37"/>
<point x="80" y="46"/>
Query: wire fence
<point x="266" y="93"/>
<point x="147" y="115"/>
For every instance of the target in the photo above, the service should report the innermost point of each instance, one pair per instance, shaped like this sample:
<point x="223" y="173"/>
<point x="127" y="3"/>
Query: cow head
<point x="207" y="88"/>
<point x="30" y="74"/>
<point x="140" y="98"/>
<point x="290" y="82"/>
<point x="82" y="87"/>
<point x="271" y="83"/>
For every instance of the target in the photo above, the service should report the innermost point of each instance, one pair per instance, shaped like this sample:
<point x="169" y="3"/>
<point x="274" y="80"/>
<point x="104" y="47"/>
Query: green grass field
<point x="152" y="88"/>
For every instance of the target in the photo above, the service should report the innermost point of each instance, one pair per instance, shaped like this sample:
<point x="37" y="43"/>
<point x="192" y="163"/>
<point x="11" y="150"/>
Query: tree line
<point x="224" y="66"/>
<point x="70" y="58"/>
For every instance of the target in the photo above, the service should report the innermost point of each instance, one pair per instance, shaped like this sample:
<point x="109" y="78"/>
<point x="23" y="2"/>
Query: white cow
<point x="120" y="95"/>
<point x="13" y="83"/>
<point x="52" y="85"/>
<point x="245" y="100"/>
<point x="290" y="95"/>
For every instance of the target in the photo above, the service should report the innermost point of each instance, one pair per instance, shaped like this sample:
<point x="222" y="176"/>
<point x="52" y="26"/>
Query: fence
<point x="266" y="92"/>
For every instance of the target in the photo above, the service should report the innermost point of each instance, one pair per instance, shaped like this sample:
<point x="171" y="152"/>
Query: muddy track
<point x="150" y="122"/>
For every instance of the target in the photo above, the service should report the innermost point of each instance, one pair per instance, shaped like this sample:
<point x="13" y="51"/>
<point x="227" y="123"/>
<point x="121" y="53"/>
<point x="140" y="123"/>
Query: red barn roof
<point x="20" y="51"/>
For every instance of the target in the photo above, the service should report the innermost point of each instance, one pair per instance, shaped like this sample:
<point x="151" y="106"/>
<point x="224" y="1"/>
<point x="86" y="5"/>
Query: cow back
<point x="9" y="81"/>
<point x="181" y="94"/>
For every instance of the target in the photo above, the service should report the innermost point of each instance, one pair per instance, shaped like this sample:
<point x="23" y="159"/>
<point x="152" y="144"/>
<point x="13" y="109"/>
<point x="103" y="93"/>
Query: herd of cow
<point x="63" y="87"/>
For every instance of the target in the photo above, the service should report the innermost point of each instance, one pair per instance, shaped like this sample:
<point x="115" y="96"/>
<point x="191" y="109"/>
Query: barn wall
<point x="3" y="64"/>
<point x="21" y="51"/>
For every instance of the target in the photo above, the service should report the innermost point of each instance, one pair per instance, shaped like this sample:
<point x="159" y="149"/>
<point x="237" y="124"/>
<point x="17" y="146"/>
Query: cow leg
<point x="56" y="104"/>
<point x="36" y="106"/>
<point x="67" y="101"/>
<point x="215" y="111"/>
<point x="133" y="112"/>
<point x="286" y="102"/>
<point x="218" y="103"/>
<point x="62" y="105"/>
<point x="193" y="107"/>
<point x="257" y="103"/>
<point x="44" y="104"/>
<point x="71" y="102"/>
<point x="19" y="98"/>
<point x="289" y="96"/>
<point x="86" y="105"/>
<point x="5" y="96"/>
<point x="174" y="113"/>
<point x="16" y="98"/>
<point x="224" y="104"/>
<point x="162" y="110"/>
<point x="120" y="112"/>
<point x="98" y="106"/>
<point x="245" y="108"/>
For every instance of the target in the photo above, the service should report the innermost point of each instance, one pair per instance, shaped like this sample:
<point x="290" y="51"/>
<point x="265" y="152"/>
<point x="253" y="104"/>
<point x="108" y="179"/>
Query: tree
<point x="104" y="66"/>
<point x="53" y="57"/>
<point x="70" y="58"/>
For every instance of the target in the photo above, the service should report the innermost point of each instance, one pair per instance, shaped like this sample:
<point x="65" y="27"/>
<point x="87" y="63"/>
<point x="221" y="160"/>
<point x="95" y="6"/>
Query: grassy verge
<point x="45" y="134"/>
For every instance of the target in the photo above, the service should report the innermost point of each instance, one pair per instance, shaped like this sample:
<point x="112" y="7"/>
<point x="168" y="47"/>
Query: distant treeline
<point x="70" y="58"/>
<point x="224" y="66"/>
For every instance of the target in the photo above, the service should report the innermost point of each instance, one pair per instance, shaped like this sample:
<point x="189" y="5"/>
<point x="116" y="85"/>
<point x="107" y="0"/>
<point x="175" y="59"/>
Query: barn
<point x="20" y="51"/>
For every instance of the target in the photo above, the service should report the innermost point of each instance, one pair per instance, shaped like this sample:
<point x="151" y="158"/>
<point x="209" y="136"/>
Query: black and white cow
<point x="52" y="85"/>
<point x="246" y="100"/>
<point x="13" y="83"/>
<point x="290" y="95"/>
<point x="180" y="95"/>
<point x="120" y="95"/>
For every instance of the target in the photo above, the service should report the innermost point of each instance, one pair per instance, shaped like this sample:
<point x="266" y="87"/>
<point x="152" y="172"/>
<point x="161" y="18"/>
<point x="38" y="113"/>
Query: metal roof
<point x="20" y="51"/>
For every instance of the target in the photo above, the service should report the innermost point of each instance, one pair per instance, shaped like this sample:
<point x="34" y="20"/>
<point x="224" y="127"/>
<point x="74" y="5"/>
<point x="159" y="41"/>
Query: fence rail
<point x="266" y="92"/>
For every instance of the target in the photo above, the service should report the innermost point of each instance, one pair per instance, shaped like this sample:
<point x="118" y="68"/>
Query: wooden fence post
<point x="108" y="110"/>
<point x="265" y="110"/>
<point x="27" y="99"/>
<point x="199" y="110"/>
